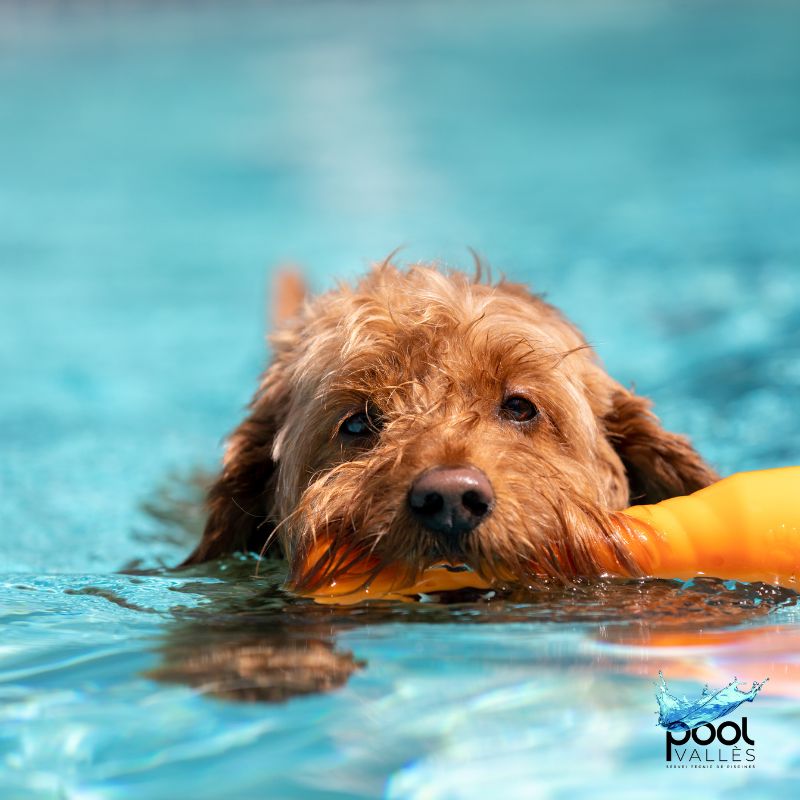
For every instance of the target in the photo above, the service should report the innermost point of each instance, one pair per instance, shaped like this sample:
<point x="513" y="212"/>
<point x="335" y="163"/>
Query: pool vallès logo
<point x="692" y="738"/>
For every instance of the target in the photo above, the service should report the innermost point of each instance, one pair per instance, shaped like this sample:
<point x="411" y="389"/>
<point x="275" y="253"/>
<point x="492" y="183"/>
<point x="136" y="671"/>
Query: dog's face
<point x="425" y="417"/>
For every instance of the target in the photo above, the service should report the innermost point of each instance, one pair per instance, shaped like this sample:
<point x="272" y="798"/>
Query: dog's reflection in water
<point x="241" y="665"/>
<point x="251" y="641"/>
<point x="254" y="642"/>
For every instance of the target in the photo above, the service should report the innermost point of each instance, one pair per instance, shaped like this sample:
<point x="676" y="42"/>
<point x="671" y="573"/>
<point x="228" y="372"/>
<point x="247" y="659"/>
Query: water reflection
<point x="252" y="641"/>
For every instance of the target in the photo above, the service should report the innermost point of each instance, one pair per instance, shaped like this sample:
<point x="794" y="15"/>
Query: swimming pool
<point x="639" y="163"/>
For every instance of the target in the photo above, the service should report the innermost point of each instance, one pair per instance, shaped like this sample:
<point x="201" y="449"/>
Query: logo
<point x="695" y="740"/>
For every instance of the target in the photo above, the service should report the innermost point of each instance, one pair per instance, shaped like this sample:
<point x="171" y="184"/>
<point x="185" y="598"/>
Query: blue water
<point x="639" y="162"/>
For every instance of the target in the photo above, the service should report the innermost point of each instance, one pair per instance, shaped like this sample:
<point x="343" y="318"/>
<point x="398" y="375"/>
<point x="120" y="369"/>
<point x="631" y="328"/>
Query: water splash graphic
<point x="676" y="714"/>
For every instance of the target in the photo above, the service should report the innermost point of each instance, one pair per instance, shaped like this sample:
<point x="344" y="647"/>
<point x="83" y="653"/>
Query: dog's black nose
<point x="451" y="500"/>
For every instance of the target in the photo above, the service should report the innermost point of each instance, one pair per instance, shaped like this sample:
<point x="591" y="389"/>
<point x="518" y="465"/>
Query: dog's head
<point x="424" y="416"/>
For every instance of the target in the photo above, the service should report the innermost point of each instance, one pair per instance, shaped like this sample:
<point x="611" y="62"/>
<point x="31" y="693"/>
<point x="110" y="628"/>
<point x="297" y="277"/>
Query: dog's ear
<point x="240" y="501"/>
<point x="288" y="293"/>
<point x="659" y="464"/>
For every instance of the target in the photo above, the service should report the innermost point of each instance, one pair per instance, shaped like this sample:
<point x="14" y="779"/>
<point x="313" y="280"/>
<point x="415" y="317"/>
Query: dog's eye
<point x="359" y="426"/>
<point x="518" y="409"/>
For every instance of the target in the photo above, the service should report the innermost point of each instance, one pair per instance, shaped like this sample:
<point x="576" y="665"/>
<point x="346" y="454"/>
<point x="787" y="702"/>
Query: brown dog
<point x="424" y="416"/>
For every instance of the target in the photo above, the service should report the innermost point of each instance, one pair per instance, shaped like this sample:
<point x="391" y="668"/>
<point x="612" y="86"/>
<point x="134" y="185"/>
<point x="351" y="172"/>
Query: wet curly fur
<point x="429" y="356"/>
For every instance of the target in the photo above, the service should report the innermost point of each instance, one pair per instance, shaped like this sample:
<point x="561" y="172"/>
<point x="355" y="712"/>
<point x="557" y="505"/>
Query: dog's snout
<point x="451" y="500"/>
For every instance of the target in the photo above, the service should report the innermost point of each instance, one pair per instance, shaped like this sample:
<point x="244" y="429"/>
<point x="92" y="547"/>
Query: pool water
<point x="640" y="163"/>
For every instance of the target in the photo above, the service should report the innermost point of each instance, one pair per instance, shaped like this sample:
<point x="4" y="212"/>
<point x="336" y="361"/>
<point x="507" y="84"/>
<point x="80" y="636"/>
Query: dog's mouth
<point x="451" y="556"/>
<point x="342" y="570"/>
<point x="453" y="567"/>
<point x="332" y="573"/>
<point x="399" y="558"/>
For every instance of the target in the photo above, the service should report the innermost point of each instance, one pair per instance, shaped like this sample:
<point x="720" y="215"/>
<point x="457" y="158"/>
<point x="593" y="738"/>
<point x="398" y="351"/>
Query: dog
<point x="423" y="415"/>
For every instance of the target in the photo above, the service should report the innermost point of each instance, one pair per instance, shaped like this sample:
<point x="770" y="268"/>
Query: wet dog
<point x="422" y="415"/>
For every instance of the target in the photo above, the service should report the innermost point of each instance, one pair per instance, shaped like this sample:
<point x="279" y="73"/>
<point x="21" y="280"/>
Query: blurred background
<point x="637" y="161"/>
